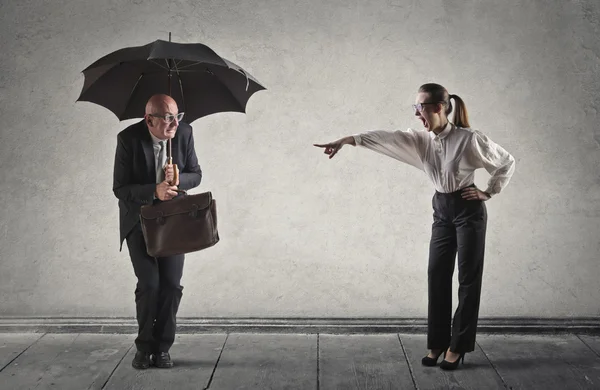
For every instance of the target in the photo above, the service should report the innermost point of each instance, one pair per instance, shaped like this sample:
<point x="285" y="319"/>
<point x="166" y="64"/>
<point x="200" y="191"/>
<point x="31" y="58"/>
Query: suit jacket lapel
<point x="148" y="148"/>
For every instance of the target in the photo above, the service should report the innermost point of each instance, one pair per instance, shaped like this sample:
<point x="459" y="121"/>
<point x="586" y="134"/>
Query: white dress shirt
<point x="155" y="145"/>
<point x="157" y="162"/>
<point x="449" y="158"/>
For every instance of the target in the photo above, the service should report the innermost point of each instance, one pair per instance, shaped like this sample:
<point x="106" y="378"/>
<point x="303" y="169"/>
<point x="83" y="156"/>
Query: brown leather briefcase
<point x="181" y="225"/>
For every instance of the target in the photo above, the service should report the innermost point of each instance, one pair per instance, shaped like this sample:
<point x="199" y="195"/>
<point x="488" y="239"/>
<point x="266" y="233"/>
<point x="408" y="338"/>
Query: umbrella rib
<point x="159" y="65"/>
<point x="227" y="89"/>
<point x="180" y="86"/>
<point x="245" y="75"/>
<point x="189" y="65"/>
<point x="133" y="90"/>
<point x="180" y="68"/>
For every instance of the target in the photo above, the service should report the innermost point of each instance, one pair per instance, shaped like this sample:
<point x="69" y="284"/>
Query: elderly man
<point x="141" y="177"/>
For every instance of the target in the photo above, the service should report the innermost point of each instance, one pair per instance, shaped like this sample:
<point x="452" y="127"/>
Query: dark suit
<point x="158" y="291"/>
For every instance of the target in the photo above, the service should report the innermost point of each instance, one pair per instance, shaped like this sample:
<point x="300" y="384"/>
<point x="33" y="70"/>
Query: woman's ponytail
<point x="461" y="117"/>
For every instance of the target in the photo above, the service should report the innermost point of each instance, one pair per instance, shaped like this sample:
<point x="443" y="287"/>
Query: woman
<point x="449" y="153"/>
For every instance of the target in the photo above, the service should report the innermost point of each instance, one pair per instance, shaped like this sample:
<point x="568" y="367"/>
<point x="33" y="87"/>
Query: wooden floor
<point x="297" y="361"/>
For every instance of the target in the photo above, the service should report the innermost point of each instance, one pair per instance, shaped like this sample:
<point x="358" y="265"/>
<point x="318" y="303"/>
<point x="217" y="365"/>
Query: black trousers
<point x="459" y="225"/>
<point x="157" y="294"/>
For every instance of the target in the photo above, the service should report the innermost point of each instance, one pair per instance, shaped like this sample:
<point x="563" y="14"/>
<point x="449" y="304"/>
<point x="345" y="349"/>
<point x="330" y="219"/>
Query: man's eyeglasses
<point x="169" y="117"/>
<point x="419" y="106"/>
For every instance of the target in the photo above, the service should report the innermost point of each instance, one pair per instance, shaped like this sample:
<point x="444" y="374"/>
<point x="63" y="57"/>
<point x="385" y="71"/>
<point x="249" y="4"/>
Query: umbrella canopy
<point x="200" y="81"/>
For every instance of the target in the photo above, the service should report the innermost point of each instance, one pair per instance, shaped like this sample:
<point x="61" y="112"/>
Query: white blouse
<point x="449" y="159"/>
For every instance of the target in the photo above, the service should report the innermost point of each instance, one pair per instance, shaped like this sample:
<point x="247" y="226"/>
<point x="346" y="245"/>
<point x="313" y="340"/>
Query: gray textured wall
<point x="303" y="235"/>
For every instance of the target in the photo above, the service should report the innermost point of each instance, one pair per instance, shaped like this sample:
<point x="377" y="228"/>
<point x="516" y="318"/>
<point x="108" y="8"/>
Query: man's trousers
<point x="157" y="294"/>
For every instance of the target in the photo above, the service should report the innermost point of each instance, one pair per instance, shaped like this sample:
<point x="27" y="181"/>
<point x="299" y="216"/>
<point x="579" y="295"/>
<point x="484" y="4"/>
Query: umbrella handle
<point x="175" y="167"/>
<point x="175" y="171"/>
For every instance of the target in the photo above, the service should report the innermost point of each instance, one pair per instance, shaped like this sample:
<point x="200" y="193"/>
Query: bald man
<point x="141" y="177"/>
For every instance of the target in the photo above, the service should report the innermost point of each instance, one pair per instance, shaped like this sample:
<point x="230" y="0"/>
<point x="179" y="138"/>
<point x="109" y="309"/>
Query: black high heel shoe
<point x="446" y="365"/>
<point x="430" y="362"/>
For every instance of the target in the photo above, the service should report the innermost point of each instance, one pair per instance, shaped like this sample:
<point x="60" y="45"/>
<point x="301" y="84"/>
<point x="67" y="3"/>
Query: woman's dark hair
<point x="440" y="94"/>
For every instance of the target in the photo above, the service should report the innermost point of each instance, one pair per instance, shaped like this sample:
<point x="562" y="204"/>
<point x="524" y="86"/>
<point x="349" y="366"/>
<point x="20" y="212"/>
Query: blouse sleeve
<point x="404" y="146"/>
<point x="497" y="161"/>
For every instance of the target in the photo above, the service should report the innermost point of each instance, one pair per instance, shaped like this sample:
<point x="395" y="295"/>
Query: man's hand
<point x="170" y="174"/>
<point x="473" y="193"/>
<point x="165" y="191"/>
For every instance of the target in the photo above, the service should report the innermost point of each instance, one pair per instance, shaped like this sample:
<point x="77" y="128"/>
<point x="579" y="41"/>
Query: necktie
<point x="161" y="160"/>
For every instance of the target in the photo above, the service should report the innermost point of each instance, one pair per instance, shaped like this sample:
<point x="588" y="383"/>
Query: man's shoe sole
<point x="140" y="366"/>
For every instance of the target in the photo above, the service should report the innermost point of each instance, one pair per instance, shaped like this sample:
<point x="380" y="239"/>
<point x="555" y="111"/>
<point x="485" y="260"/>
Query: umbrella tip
<point x="169" y="36"/>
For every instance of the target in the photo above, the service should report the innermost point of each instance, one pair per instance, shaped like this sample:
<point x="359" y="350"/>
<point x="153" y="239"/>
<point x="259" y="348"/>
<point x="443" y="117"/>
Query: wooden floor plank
<point x="267" y="361"/>
<point x="67" y="361"/>
<point x="476" y="373"/>
<point x="362" y="362"/>
<point x="194" y="357"/>
<point x="287" y="361"/>
<point x="592" y="342"/>
<point x="12" y="344"/>
<point x="543" y="362"/>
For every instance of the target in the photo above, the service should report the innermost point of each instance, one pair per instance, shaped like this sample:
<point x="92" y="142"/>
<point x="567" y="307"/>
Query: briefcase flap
<point x="180" y="205"/>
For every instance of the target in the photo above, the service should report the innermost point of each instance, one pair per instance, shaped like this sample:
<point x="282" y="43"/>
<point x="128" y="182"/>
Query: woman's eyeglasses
<point x="419" y="106"/>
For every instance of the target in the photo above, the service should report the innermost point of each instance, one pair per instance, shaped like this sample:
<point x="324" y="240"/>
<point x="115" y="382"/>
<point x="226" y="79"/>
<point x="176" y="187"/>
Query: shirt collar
<point x="155" y="140"/>
<point x="444" y="132"/>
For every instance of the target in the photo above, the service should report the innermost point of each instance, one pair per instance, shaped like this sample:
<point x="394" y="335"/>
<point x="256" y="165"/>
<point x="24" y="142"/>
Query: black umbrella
<point x="200" y="81"/>
<point x="197" y="78"/>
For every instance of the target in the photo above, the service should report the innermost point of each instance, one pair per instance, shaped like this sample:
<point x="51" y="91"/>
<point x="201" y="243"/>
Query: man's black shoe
<point x="141" y="361"/>
<point x="162" y="360"/>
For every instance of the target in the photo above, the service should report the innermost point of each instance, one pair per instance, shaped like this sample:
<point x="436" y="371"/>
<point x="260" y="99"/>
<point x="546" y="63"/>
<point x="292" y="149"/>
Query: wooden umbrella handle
<point x="175" y="171"/>
<point x="175" y="174"/>
<point x="175" y="167"/>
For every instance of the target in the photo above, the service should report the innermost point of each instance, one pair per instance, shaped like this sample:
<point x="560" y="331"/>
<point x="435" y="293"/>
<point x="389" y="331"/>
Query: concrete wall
<point x="303" y="235"/>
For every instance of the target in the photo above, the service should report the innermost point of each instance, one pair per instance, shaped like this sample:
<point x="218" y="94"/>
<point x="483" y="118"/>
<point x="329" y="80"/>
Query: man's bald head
<point x="157" y="108"/>
<point x="161" y="103"/>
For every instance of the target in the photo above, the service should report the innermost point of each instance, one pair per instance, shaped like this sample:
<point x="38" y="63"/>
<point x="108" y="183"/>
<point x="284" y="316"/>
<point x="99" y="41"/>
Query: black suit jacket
<point x="134" y="180"/>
